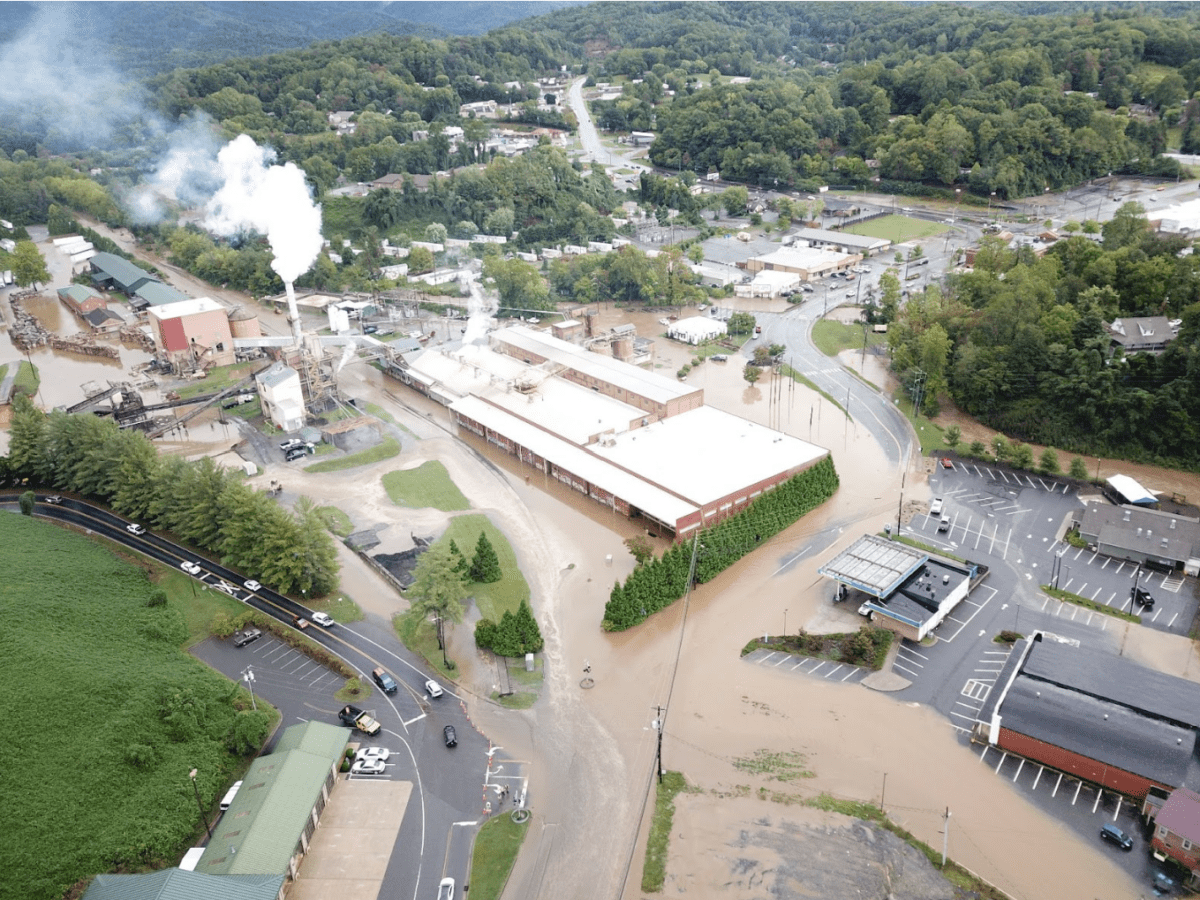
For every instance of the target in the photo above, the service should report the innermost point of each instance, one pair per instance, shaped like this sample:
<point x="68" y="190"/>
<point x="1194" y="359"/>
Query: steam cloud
<point x="481" y="311"/>
<point x="272" y="200"/>
<point x="187" y="174"/>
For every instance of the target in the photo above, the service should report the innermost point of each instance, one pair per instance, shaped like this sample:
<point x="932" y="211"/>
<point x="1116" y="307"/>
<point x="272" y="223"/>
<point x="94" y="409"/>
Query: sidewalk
<point x="885" y="679"/>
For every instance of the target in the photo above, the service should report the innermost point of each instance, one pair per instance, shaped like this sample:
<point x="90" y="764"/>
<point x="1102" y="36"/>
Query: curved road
<point x="446" y="785"/>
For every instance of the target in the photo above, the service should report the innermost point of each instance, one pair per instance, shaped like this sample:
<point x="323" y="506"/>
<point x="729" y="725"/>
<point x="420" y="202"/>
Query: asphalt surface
<point x="449" y="793"/>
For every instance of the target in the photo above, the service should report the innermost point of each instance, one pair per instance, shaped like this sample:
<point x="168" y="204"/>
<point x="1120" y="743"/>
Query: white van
<point x="227" y="800"/>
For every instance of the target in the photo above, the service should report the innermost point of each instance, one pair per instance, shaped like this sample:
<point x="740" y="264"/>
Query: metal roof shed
<point x="1131" y="490"/>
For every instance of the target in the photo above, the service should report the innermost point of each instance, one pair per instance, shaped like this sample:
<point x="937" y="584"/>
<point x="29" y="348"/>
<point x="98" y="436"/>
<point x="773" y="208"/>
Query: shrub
<point x="485" y="566"/>
<point x="977" y="449"/>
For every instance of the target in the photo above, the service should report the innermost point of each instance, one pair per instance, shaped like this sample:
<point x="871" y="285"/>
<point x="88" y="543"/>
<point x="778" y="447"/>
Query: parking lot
<point x="807" y="666"/>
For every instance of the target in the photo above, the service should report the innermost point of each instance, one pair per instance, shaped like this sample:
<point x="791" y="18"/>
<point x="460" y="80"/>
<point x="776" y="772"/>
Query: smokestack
<point x="293" y="312"/>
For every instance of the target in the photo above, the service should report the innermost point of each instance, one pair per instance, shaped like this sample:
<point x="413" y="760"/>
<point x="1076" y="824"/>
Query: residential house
<point x="1177" y="830"/>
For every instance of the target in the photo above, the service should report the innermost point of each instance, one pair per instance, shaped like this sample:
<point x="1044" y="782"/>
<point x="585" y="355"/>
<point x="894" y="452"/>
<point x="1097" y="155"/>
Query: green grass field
<point x="88" y="662"/>
<point x="386" y="450"/>
<point x="495" y="852"/>
<point x="504" y="595"/>
<point x="897" y="228"/>
<point x="335" y="520"/>
<point x="831" y="337"/>
<point x="27" y="379"/>
<point x="428" y="485"/>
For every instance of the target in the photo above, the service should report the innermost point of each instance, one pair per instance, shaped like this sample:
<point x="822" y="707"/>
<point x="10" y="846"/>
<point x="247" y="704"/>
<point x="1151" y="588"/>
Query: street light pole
<point x="248" y="677"/>
<point x="199" y="805"/>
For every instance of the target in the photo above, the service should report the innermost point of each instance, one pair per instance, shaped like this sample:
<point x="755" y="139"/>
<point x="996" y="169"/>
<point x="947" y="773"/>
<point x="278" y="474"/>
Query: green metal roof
<point x="79" y="292"/>
<point x="320" y="738"/>
<point x="124" y="274"/>
<point x="258" y="834"/>
<point x="158" y="294"/>
<point x="180" y="884"/>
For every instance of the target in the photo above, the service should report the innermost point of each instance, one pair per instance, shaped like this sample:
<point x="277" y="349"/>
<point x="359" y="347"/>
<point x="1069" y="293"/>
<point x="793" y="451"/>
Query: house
<point x="155" y="293"/>
<point x="391" y="181"/>
<point x="340" y="122"/>
<point x="481" y="109"/>
<point x="697" y="330"/>
<point x="282" y="396"/>
<point x="81" y="299"/>
<point x="1142" y="334"/>
<point x="641" y="138"/>
<point x="103" y="320"/>
<point x="1177" y="831"/>
<point x="192" y="333"/>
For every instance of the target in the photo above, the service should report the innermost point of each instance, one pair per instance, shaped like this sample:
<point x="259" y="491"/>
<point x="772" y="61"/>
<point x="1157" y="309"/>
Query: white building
<point x="697" y="330"/>
<point x="282" y="397"/>
<point x="768" y="283"/>
<point x="1181" y="218"/>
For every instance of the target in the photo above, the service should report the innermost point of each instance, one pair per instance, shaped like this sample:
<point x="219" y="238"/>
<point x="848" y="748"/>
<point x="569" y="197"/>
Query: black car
<point x="1115" y="835"/>
<point x="295" y="453"/>
<point x="450" y="736"/>
<point x="1141" y="597"/>
<point x="384" y="680"/>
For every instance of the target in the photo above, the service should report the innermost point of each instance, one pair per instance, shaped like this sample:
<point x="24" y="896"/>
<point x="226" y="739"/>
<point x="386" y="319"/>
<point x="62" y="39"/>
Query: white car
<point x="323" y="619"/>
<point x="252" y="585"/>
<point x="446" y="889"/>
<point x="379" y="753"/>
<point x="433" y="688"/>
<point x="935" y="508"/>
<point x="367" y="767"/>
<point x="135" y="528"/>
<point x="190" y="567"/>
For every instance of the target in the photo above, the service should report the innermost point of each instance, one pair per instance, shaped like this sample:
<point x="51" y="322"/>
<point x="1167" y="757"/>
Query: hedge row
<point x="663" y="580"/>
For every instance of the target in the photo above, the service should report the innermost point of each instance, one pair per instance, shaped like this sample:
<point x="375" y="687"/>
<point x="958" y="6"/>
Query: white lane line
<point x="897" y="665"/>
<point x="417" y="719"/>
<point x="1056" y="784"/>
<point x="1019" y="768"/>
<point x="831" y="671"/>
<point x="850" y="673"/>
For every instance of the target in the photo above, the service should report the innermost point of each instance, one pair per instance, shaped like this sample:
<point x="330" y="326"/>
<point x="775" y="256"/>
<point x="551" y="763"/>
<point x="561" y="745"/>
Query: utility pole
<point x="248" y="677"/>
<point x="945" y="836"/>
<point x="203" y="816"/>
<point x="658" y="726"/>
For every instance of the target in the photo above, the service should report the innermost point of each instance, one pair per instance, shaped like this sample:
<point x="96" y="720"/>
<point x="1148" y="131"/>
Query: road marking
<point x="417" y="719"/>
<point x="1019" y="768"/>
<point x="851" y="672"/>
<point x="813" y="671"/>
<point x="1172" y="622"/>
<point x="1056" y="784"/>
<point x="986" y="748"/>
<point x="1095" y="805"/>
<point x="897" y="665"/>
<point x="768" y="656"/>
<point x="782" y="660"/>
<point x="797" y="665"/>
<point x="1077" y="789"/>
<point x="1003" y="757"/>
<point x="912" y="651"/>
<point x="1038" y="777"/>
<point x="961" y="716"/>
<point x="1117" y="811"/>
<point x="831" y="671"/>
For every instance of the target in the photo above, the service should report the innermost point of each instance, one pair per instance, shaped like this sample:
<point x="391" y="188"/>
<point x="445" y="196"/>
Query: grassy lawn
<point x="198" y="604"/>
<point x="654" y="872"/>
<point x="341" y="606"/>
<point x="417" y="633"/>
<point x="335" y="520"/>
<point x="931" y="435"/>
<point x="504" y="595"/>
<point x="517" y="700"/>
<point x="495" y="851"/>
<point x="386" y="450"/>
<point x="219" y="379"/>
<point x="831" y="337"/>
<point x="897" y="228"/>
<point x="866" y="647"/>
<point x="428" y="485"/>
<point x="77" y="617"/>
<point x="27" y="379"/>
<point x="1068" y="597"/>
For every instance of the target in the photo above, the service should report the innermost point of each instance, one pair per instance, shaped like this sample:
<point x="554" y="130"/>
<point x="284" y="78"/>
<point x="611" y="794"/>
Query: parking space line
<point x="1038" y="777"/>
<point x="1099" y="794"/>
<point x="913" y="652"/>
<point x="986" y="748"/>
<point x="897" y="665"/>
<point x="962" y="716"/>
<point x="782" y="660"/>
<point x="851" y="672"/>
<point x="1117" y="811"/>
<point x="1003" y="757"/>
<point x="1078" y="787"/>
<point x="1054" y="792"/>
<point x="797" y="665"/>
<point x="1019" y="768"/>
<point x="765" y="658"/>
<point x="831" y="671"/>
<point x="1173" y="618"/>
<point x="813" y="670"/>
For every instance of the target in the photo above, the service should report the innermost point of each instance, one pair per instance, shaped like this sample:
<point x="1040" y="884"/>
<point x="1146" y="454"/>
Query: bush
<point x="515" y="635"/>
<point x="485" y="566"/>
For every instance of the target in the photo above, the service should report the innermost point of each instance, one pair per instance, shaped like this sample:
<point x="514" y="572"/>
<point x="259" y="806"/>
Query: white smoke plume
<point x="481" y="311"/>
<point x="186" y="176"/>
<point x="272" y="200"/>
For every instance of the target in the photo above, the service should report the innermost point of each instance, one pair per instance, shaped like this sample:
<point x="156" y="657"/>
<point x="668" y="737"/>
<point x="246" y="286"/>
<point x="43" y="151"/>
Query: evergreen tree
<point x="485" y="567"/>
<point x="461" y="566"/>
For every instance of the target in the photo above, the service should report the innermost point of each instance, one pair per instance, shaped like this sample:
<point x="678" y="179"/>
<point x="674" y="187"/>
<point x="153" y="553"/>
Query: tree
<point x="420" y="260"/>
<point x="438" y="590"/>
<point x="1048" y="464"/>
<point x="26" y="502"/>
<point x="28" y="265"/>
<point x="751" y="373"/>
<point x="953" y="436"/>
<point x="734" y="200"/>
<point x="1079" y="470"/>
<point x="435" y="233"/>
<point x="741" y="323"/>
<point x="485" y="565"/>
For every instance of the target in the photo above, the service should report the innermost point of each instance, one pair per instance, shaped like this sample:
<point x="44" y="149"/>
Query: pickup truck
<point x="356" y="718"/>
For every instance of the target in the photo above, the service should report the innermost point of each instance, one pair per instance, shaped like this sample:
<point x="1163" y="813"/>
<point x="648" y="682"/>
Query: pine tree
<point x="461" y="565"/>
<point x="485" y="567"/>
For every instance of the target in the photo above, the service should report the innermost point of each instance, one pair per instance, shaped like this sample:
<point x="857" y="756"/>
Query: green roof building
<point x="112" y="271"/>
<point x="180" y="884"/>
<point x="267" y="828"/>
<point x="155" y="293"/>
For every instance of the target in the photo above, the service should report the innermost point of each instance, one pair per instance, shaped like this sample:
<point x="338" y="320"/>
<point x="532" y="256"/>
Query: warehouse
<point x="1095" y="716"/>
<point x="696" y="330"/>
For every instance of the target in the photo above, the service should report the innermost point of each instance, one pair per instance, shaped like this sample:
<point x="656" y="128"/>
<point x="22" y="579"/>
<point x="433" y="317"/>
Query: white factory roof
<point x="621" y="374"/>
<point x="629" y="487"/>
<point x="807" y="258"/>
<point x="189" y="307"/>
<point x="736" y="453"/>
<point x="573" y="412"/>
<point x="697" y="328"/>
<point x="1181" y="217"/>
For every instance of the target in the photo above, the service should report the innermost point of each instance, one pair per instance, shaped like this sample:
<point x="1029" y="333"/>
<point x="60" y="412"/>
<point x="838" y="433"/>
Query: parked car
<point x="190" y="567"/>
<point x="1141" y="597"/>
<point x="54" y="499"/>
<point x="227" y="800"/>
<point x="947" y="463"/>
<point x="380" y="753"/>
<point x="450" y="737"/>
<point x="295" y="453"/>
<point x="433" y="688"/>
<point x="382" y="678"/>
<point x="323" y="619"/>
<point x="944" y="524"/>
<point x="446" y="889"/>
<point x="370" y="329"/>
<point x="290" y="444"/>
<point x="719" y="357"/>
<point x="242" y="638"/>
<point x="367" y="767"/>
<point x="251" y="585"/>
<point x="935" y="508"/>
<point x="135" y="528"/>
<point x="1115" y="835"/>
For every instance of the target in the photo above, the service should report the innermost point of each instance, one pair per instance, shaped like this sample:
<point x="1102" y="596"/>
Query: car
<point x="251" y="585"/>
<point x="1115" y="835"/>
<point x="380" y="753"/>
<point x="1162" y="883"/>
<point x="290" y="444"/>
<point x="190" y="567"/>
<point x="719" y="357"/>
<point x="300" y="622"/>
<point x="367" y="767"/>
<point x="446" y="889"/>
<point x="935" y="508"/>
<point x="323" y="619"/>
<point x="135" y="528"/>
<point x="242" y="638"/>
<point x="433" y="689"/>
<point x="449" y="736"/>
<point x="227" y="800"/>
<point x="370" y="329"/>
<point x="947" y="463"/>
<point x="807" y="288"/>
<point x="944" y="524"/>
<point x="1142" y="597"/>
<point x="54" y="499"/>
<point x="384" y="679"/>
<point x="295" y="454"/>
<point x="866" y="611"/>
